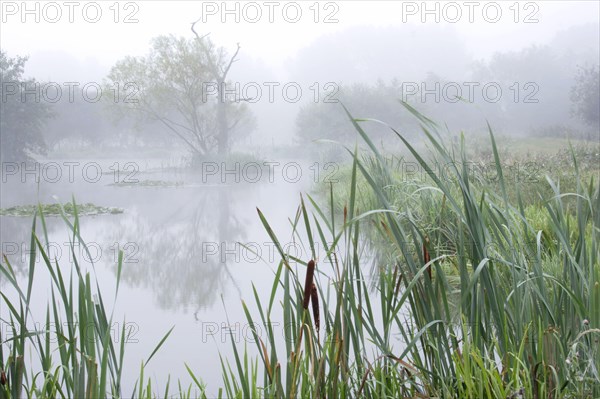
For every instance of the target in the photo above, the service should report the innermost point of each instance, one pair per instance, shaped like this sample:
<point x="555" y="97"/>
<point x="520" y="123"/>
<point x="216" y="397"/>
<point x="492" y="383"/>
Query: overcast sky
<point x="80" y="49"/>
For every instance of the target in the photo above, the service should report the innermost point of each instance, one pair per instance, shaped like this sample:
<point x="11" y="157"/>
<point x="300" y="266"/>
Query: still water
<point x="193" y="246"/>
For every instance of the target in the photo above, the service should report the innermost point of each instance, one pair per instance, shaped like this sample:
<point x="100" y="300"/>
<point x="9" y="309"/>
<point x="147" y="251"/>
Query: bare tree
<point x="174" y="84"/>
<point x="219" y="67"/>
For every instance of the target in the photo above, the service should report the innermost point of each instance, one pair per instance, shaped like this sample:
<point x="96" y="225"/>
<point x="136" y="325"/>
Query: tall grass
<point x="72" y="349"/>
<point x="486" y="305"/>
<point x="470" y="300"/>
<point x="522" y="309"/>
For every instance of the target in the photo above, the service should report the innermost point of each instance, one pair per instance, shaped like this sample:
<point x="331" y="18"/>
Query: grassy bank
<point x="481" y="290"/>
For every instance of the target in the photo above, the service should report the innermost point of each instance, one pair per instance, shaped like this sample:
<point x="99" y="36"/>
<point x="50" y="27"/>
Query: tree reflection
<point x="176" y="243"/>
<point x="181" y="255"/>
<point x="15" y="238"/>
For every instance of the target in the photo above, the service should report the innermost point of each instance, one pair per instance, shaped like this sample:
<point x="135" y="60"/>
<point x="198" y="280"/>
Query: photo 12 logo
<point x="267" y="251"/>
<point x="271" y="172"/>
<point x="119" y="332"/>
<point x="53" y="12"/>
<point x="53" y="92"/>
<point x="470" y="11"/>
<point x="269" y="11"/>
<point x="453" y="92"/>
<point x="68" y="172"/>
<point x="271" y="92"/>
<point x="67" y="251"/>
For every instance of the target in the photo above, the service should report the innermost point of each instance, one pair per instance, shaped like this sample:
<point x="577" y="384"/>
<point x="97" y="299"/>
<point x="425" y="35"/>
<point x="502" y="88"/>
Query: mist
<point x="164" y="126"/>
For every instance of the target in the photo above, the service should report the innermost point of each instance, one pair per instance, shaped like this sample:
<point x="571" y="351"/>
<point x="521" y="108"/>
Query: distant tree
<point x="585" y="95"/>
<point x="178" y="84"/>
<point x="518" y="90"/>
<point x="77" y="122"/>
<point x="326" y="119"/>
<point x="22" y="112"/>
<point x="537" y="82"/>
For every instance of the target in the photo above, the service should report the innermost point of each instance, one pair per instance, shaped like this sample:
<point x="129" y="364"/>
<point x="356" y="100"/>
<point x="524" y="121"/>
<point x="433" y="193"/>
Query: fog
<point x="352" y="46"/>
<point x="181" y="165"/>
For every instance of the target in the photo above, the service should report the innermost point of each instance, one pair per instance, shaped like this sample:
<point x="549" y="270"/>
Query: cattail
<point x="426" y="256"/>
<point x="314" y="298"/>
<point x="397" y="290"/>
<point x="2" y="377"/>
<point x="310" y="272"/>
<point x="345" y="213"/>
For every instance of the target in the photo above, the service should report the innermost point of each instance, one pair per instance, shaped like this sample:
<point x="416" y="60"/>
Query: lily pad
<point x="88" y="209"/>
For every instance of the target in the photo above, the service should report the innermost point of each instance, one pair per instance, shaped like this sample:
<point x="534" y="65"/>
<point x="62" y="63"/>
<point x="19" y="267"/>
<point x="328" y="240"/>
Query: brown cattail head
<point x="398" y="280"/>
<point x="310" y="272"/>
<point x="426" y="257"/>
<point x="314" y="298"/>
<point x="2" y="377"/>
<point x="345" y="213"/>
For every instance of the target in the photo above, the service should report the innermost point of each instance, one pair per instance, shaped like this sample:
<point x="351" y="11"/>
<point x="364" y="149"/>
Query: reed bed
<point x="71" y="348"/>
<point x="481" y="305"/>
<point x="470" y="298"/>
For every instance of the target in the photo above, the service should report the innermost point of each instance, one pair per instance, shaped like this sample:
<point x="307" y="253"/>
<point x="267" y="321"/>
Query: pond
<point x="192" y="244"/>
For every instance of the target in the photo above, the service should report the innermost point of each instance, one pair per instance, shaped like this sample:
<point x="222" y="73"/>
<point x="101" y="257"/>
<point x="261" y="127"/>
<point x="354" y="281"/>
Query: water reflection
<point x="174" y="255"/>
<point x="174" y="241"/>
<point x="15" y="236"/>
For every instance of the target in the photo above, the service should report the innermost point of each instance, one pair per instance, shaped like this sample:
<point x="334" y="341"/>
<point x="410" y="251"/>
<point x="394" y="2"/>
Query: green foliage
<point x="535" y="84"/>
<point x="23" y="112"/>
<point x="475" y="295"/>
<point x="58" y="210"/>
<point x="486" y="305"/>
<point x="70" y="351"/>
<point x="175" y="85"/>
<point x="585" y="95"/>
<point x="326" y="120"/>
